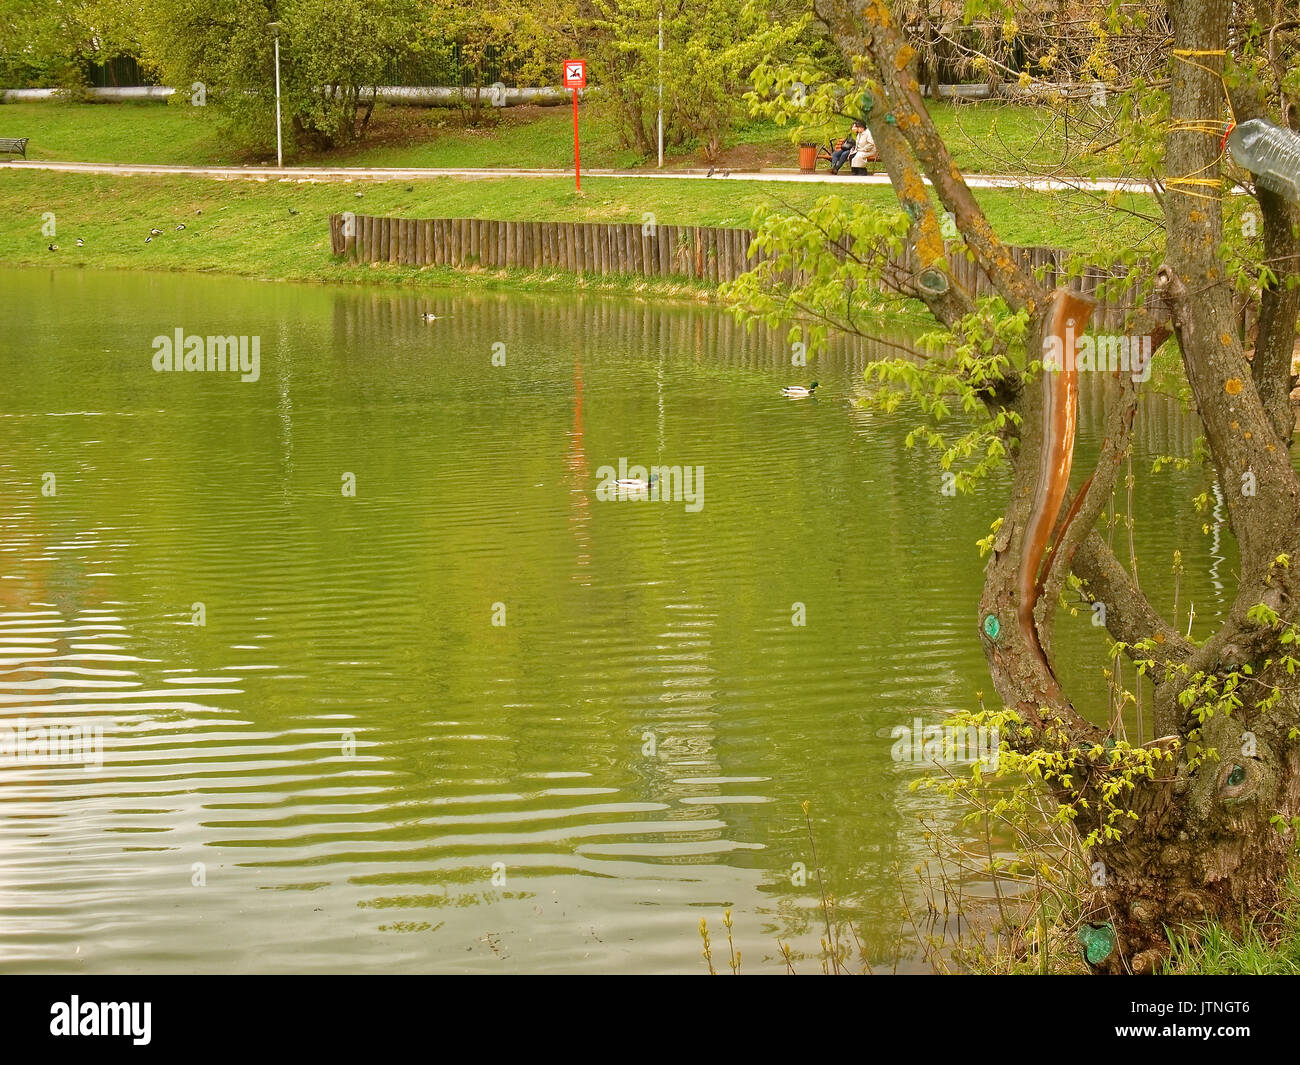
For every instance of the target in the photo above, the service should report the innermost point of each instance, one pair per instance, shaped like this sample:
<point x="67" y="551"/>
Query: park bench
<point x="859" y="162"/>
<point x="16" y="145"/>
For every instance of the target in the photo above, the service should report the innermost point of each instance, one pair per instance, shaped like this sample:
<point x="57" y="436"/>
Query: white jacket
<point x="864" y="150"/>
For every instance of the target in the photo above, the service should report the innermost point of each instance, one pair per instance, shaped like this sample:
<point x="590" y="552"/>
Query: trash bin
<point x="807" y="158"/>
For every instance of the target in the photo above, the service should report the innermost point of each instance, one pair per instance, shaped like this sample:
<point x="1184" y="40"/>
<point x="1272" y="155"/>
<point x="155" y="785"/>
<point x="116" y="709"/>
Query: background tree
<point x="333" y="55"/>
<point x="530" y="39"/>
<point x="710" y="51"/>
<point x="1191" y="811"/>
<point x="43" y="44"/>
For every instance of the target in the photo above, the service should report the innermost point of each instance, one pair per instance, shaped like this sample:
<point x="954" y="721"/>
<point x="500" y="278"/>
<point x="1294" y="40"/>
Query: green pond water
<point x="474" y="716"/>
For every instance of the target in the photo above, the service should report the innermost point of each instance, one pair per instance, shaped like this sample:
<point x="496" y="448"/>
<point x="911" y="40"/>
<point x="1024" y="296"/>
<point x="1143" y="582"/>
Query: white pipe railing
<point x="499" y="95"/>
<point x="446" y="96"/>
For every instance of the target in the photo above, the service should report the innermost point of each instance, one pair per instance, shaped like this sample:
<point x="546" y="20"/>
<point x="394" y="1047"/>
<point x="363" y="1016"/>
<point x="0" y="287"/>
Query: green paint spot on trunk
<point x="934" y="282"/>
<point x="1097" y="940"/>
<point x="992" y="626"/>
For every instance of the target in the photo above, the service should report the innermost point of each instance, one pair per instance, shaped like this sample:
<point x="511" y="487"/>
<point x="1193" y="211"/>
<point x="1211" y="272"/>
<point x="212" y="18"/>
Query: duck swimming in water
<point x="635" y="484"/>
<point x="798" y="391"/>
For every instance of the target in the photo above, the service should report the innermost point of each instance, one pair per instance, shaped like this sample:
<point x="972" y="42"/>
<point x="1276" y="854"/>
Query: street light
<point x="661" y="86"/>
<point x="279" y="143"/>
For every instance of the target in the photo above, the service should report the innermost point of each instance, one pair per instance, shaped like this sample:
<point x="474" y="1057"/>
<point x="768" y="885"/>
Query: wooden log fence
<point x="700" y="253"/>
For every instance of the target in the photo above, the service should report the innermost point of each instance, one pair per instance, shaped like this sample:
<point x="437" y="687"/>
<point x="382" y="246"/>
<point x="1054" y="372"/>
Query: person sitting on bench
<point x="841" y="155"/>
<point x="864" y="153"/>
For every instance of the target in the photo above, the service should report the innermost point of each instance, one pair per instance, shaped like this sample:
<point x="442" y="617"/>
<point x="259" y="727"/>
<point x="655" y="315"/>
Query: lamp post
<point x="661" y="86"/>
<point x="279" y="141"/>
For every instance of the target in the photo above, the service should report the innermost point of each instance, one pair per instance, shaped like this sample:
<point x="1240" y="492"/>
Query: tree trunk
<point x="1203" y="845"/>
<point x="1193" y="834"/>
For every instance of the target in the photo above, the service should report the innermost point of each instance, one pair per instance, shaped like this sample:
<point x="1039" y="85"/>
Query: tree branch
<point x="949" y="302"/>
<point x="893" y="65"/>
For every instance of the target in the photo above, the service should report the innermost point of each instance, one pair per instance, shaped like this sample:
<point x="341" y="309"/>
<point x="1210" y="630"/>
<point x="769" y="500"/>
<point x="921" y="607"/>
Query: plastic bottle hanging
<point x="1269" y="152"/>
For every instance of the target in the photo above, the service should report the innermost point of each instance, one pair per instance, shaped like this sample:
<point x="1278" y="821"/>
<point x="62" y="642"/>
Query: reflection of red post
<point x="577" y="177"/>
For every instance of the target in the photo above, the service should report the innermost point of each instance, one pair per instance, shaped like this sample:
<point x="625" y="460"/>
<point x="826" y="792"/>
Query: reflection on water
<point x="470" y="717"/>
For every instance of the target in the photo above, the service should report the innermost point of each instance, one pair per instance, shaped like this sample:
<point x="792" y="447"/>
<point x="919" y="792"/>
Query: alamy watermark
<point x="944" y="744"/>
<point x="1103" y="353"/>
<point x="77" y="1018"/>
<point x="676" y="484"/>
<point x="53" y="743"/>
<point x="239" y="354"/>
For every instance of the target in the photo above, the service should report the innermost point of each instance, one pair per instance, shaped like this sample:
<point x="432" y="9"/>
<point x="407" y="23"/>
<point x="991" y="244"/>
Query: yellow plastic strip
<point x="1185" y="53"/>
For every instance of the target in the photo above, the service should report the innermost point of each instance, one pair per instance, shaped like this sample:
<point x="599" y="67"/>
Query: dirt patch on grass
<point x="405" y="126"/>
<point x="764" y="156"/>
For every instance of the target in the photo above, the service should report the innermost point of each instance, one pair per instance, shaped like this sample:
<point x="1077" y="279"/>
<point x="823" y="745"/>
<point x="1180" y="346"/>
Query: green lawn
<point x="529" y="138"/>
<point x="246" y="227"/>
<point x="176" y="133"/>
<point x="984" y="137"/>
<point x="143" y="132"/>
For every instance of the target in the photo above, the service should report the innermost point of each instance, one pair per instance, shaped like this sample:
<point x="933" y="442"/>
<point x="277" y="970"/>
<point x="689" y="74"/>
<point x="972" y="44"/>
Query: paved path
<point x="348" y="173"/>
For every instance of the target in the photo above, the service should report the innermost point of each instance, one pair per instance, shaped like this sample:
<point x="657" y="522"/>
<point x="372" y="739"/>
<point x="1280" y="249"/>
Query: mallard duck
<point x="53" y="247"/>
<point x="80" y="243"/>
<point x="635" y="484"/>
<point x="429" y="316"/>
<point x="180" y="226"/>
<point x="155" y="232"/>
<point x="798" y="391"/>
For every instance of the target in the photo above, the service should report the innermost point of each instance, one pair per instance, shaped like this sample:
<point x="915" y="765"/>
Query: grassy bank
<point x="1257" y="949"/>
<point x="247" y="228"/>
<point x="279" y="229"/>
<point x="984" y="138"/>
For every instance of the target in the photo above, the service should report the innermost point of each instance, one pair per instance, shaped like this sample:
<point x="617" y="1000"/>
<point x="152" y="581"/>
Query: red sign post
<point x="575" y="78"/>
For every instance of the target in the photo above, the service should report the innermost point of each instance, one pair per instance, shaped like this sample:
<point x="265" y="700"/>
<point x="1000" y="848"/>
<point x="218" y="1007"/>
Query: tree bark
<point x="1201" y="842"/>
